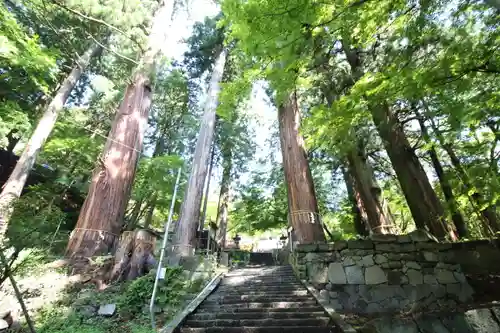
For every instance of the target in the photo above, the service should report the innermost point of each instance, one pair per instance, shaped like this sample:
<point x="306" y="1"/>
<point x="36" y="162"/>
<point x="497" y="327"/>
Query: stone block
<point x="339" y="245"/>
<point x="107" y="310"/>
<point x="348" y="261"/>
<point x="394" y="277"/>
<point x="324" y="295"/>
<point x="414" y="277"/>
<point x="445" y="276"/>
<point x="336" y="305"/>
<point x="430" y="279"/>
<point x="430" y="256"/>
<point x="481" y="321"/>
<point x="355" y="274"/>
<point x="313" y="256"/>
<point x="404" y="239"/>
<point x="359" y="244"/>
<point x="367" y="261"/>
<point x="380" y="258"/>
<point x="317" y="272"/>
<point x="383" y="238"/>
<point x="412" y="264"/>
<point x="306" y="248"/>
<point x="460" y="277"/>
<point x="334" y="294"/>
<point x="375" y="275"/>
<point x="336" y="273"/>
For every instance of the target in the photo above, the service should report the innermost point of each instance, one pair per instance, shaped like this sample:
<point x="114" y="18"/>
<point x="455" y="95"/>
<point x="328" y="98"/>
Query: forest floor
<point x="58" y="303"/>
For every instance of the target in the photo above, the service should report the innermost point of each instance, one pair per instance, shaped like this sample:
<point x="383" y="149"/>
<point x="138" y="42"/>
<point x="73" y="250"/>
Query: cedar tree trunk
<point x="13" y="187"/>
<point x="185" y="237"/>
<point x="302" y="207"/>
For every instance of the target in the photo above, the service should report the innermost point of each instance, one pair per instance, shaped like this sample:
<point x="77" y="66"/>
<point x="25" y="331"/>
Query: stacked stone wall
<point x="390" y="273"/>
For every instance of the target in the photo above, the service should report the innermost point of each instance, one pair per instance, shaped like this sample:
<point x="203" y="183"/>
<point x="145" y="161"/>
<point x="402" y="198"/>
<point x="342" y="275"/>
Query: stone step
<point x="256" y="283"/>
<point x="256" y="315"/>
<point x="283" y="329"/>
<point x="212" y="307"/>
<point x="280" y="287"/>
<point x="222" y="310"/>
<point x="322" y="321"/>
<point x="273" y="293"/>
<point x="254" y="299"/>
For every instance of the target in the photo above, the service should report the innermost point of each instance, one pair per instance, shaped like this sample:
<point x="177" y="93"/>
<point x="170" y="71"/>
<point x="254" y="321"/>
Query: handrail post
<point x="163" y="247"/>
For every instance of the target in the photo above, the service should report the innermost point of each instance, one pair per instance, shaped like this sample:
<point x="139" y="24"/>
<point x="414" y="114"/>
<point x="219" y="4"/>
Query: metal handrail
<point x="162" y="252"/>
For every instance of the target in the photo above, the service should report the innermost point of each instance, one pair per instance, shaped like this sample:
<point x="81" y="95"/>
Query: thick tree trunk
<point x="207" y="190"/>
<point x="303" y="206"/>
<point x="420" y="196"/>
<point x="223" y="207"/>
<point x="185" y="237"/>
<point x="13" y="187"/>
<point x="451" y="202"/>
<point x="380" y="221"/>
<point x="122" y="256"/>
<point x="144" y="244"/>
<point x="101" y="216"/>
<point x="359" y="220"/>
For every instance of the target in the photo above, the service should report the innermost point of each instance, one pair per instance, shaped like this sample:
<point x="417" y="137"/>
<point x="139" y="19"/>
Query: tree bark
<point x="207" y="190"/>
<point x="303" y="206"/>
<point x="185" y="236"/>
<point x="223" y="206"/>
<point x="379" y="220"/>
<point x="101" y="216"/>
<point x="13" y="187"/>
<point x="420" y="196"/>
<point x="451" y="202"/>
<point x="359" y="218"/>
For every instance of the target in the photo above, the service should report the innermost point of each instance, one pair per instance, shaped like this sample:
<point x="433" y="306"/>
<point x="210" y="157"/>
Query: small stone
<point x="367" y="261"/>
<point x="404" y="279"/>
<point x="336" y="273"/>
<point x="375" y="275"/>
<point x="445" y="276"/>
<point x="404" y="239"/>
<point x="414" y="277"/>
<point x="430" y="256"/>
<point x="355" y="275"/>
<point x="335" y="304"/>
<point x="413" y="264"/>
<point x="380" y="259"/>
<point x="107" y="310"/>
<point x="394" y="264"/>
<point x="430" y="279"/>
<point x="334" y="294"/>
<point x="460" y="277"/>
<point x="349" y="261"/>
<point x="360" y="244"/>
<point x="328" y="286"/>
<point x="324" y="295"/>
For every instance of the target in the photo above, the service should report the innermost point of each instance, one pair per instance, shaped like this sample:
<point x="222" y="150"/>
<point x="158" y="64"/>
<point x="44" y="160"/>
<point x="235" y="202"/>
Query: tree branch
<point x="99" y="21"/>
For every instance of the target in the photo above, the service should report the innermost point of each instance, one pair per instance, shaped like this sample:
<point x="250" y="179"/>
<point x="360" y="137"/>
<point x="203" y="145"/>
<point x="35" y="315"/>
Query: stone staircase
<point x="266" y="299"/>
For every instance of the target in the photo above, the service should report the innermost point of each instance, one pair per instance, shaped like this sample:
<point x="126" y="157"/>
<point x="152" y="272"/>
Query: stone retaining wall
<point x="390" y="273"/>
